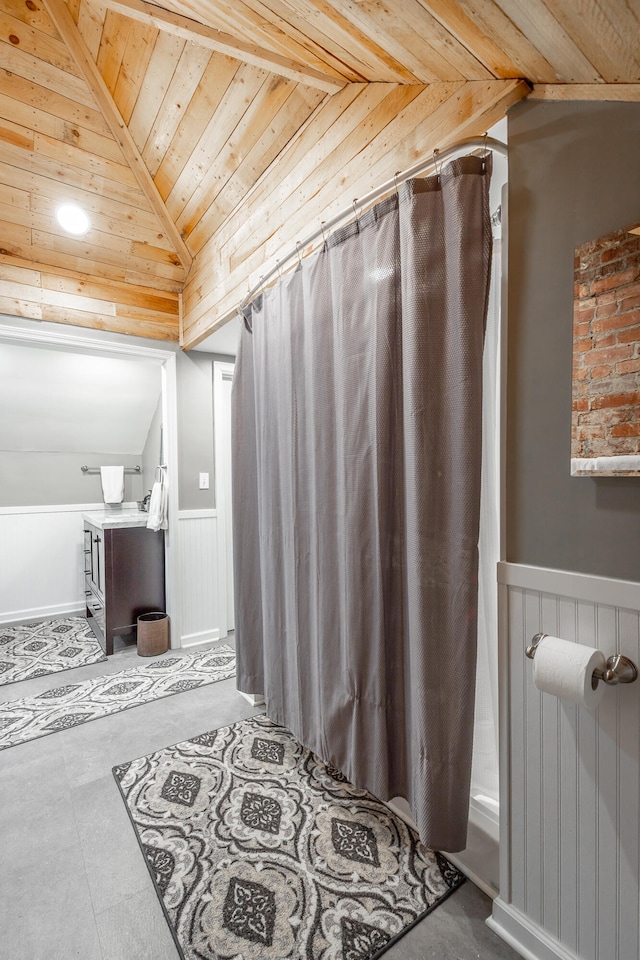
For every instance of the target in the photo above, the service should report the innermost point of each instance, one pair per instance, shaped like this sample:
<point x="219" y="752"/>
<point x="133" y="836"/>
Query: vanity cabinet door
<point x="94" y="578"/>
<point x="94" y="559"/>
<point x="99" y="575"/>
<point x="88" y="572"/>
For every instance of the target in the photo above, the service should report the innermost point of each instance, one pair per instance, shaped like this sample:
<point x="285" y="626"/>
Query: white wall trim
<point x="502" y="363"/>
<point x="73" y="341"/>
<point x="170" y="456"/>
<point x="62" y="508"/>
<point x="255" y="699"/>
<point x="42" y="613"/>
<point x="192" y="640"/>
<point x="578" y="586"/>
<point x="204" y="514"/>
<point x="222" y="371"/>
<point x="530" y="941"/>
<point x="504" y="740"/>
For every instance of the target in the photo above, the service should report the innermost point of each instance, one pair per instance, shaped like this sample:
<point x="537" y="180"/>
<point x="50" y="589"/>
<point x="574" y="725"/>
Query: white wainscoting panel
<point x="42" y="567"/>
<point x="41" y="561"/>
<point x="199" y="600"/>
<point x="571" y="834"/>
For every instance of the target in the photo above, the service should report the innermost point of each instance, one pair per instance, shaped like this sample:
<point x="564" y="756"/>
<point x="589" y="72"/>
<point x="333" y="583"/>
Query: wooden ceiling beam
<point x="64" y="23"/>
<point x="586" y="91"/>
<point x="216" y="40"/>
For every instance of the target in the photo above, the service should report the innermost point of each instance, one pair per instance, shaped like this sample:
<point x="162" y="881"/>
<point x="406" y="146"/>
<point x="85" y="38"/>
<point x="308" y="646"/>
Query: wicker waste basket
<point x="153" y="634"/>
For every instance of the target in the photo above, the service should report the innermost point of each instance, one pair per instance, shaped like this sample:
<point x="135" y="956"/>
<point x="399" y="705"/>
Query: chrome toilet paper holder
<point x="618" y="669"/>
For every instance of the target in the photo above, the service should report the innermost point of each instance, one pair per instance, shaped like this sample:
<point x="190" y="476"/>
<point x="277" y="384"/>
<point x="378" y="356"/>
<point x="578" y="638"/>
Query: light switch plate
<point x="204" y="481"/>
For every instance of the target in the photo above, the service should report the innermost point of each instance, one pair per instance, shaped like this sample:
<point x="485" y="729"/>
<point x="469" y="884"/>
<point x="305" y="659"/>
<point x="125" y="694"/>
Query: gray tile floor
<point x="73" y="885"/>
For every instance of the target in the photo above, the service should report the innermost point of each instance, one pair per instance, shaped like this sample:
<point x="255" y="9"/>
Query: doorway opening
<point x="14" y="332"/>
<point x="222" y="383"/>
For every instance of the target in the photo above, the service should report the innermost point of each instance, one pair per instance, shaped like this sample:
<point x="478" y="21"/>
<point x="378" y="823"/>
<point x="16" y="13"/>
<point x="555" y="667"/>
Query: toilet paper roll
<point x="565" y="669"/>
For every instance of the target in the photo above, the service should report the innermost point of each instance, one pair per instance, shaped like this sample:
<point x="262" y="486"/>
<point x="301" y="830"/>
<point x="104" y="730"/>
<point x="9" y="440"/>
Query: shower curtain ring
<point x="245" y="317"/>
<point x="298" y="252"/>
<point x="395" y="180"/>
<point x="435" y="161"/>
<point x="324" y="239"/>
<point x="279" y="269"/>
<point x="355" y="210"/>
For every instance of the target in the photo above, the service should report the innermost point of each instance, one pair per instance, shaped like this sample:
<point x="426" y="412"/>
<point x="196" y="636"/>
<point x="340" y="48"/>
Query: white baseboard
<point x="525" y="937"/>
<point x="190" y="641"/>
<point x="255" y="699"/>
<point x="42" y="613"/>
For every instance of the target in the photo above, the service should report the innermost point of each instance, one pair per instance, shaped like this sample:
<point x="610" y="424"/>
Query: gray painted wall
<point x="194" y="375"/>
<point x="39" y="479"/>
<point x="574" y="175"/>
<point x="195" y="427"/>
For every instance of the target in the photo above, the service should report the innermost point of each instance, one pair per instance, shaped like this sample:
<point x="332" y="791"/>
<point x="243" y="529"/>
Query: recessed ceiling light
<point x="73" y="219"/>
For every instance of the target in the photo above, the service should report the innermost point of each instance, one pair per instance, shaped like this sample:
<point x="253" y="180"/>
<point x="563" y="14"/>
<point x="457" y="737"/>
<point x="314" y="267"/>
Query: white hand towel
<point x="112" y="484"/>
<point x="158" y="508"/>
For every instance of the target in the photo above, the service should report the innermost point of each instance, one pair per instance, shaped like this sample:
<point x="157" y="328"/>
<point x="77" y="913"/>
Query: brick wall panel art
<point x="605" y="425"/>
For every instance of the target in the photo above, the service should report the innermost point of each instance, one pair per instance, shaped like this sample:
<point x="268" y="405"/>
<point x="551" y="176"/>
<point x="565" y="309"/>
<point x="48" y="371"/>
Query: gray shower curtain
<point x="356" y="430"/>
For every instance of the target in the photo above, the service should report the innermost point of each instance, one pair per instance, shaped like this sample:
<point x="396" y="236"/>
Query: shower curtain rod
<point x="358" y="205"/>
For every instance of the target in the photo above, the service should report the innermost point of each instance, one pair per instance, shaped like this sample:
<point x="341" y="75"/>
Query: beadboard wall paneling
<point x="573" y="787"/>
<point x="41" y="562"/>
<point x="42" y="568"/>
<point x="199" y="601"/>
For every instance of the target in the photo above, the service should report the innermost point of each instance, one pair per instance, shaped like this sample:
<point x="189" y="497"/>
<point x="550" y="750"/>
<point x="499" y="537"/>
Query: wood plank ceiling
<point x="203" y="137"/>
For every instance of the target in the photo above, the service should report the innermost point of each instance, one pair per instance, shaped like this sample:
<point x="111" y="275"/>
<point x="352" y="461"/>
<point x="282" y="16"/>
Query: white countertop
<point x="107" y="519"/>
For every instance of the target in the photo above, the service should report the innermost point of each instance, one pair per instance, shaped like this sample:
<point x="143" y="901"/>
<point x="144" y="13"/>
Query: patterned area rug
<point x="35" y="649"/>
<point x="75" y="703"/>
<point x="260" y="851"/>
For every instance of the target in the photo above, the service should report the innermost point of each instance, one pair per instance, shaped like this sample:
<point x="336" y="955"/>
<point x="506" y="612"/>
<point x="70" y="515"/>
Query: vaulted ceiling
<point x="204" y="137"/>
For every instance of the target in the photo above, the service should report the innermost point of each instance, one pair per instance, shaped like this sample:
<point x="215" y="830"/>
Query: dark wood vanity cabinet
<point x="124" y="577"/>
